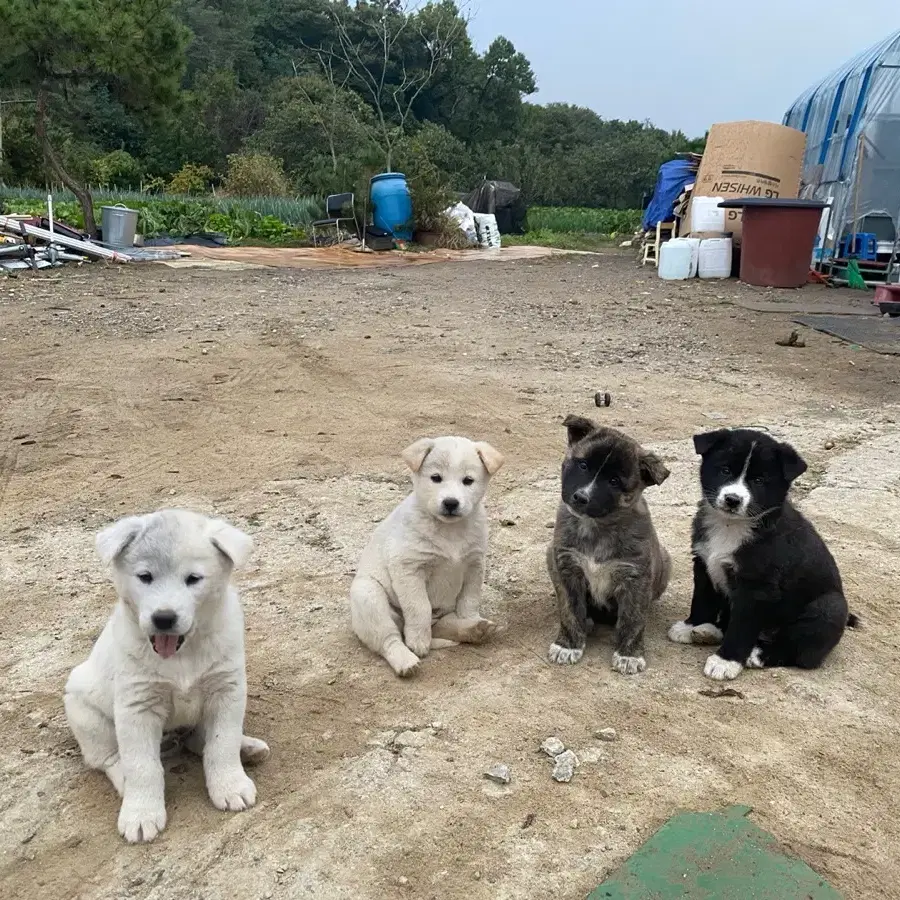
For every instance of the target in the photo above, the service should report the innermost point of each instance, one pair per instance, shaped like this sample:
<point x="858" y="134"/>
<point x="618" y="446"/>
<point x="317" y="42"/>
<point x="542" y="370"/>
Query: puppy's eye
<point x="468" y="480"/>
<point x="436" y="479"/>
<point x="725" y="470"/>
<point x="615" y="482"/>
<point x="191" y="580"/>
<point x="583" y="465"/>
<point x="757" y="479"/>
<point x="145" y="577"/>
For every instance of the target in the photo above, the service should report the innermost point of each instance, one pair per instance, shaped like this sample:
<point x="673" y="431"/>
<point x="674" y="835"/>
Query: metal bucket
<point x="119" y="224"/>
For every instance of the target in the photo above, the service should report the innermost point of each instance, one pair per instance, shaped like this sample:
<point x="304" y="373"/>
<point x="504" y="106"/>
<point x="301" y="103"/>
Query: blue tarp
<point x="673" y="177"/>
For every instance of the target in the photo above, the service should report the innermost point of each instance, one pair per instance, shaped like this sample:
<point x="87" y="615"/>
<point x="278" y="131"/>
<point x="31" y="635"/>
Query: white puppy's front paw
<point x="479" y="631"/>
<point x="253" y="751"/>
<point x="565" y="656"/>
<point x="628" y="665"/>
<point x="141" y="820"/>
<point x="681" y="633"/>
<point x="418" y="641"/>
<point x="231" y="791"/>
<point x="721" y="669"/>
<point x="707" y="633"/>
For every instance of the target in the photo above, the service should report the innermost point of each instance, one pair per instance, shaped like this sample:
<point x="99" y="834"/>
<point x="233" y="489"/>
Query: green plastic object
<point x="714" y="856"/>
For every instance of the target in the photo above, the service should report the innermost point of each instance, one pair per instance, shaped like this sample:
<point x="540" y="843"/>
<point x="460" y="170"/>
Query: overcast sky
<point x="682" y="63"/>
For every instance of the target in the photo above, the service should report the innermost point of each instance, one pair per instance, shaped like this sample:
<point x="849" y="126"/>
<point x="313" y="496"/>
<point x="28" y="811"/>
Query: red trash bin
<point x="778" y="239"/>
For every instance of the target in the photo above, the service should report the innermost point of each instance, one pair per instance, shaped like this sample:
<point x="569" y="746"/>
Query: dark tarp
<point x="503" y="200"/>
<point x="673" y="177"/>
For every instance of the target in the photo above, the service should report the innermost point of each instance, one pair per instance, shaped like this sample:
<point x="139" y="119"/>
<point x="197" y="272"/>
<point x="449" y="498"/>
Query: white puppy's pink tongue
<point x="165" y="644"/>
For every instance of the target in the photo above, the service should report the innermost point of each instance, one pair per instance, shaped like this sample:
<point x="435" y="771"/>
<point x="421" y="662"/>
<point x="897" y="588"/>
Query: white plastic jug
<point x="715" y="258"/>
<point x="706" y="215"/>
<point x="675" y="260"/>
<point x="695" y="255"/>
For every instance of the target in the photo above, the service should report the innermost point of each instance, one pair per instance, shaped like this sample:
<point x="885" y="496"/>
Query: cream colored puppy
<point x="171" y="656"/>
<point x="418" y="584"/>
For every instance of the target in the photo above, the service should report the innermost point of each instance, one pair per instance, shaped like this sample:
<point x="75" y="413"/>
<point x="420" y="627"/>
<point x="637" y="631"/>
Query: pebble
<point x="829" y="445"/>
<point x="403" y="881"/>
<point x="499" y="773"/>
<point x="553" y="746"/>
<point x="606" y="734"/>
<point x="411" y="739"/>
<point x="565" y="766"/>
<point x="507" y="523"/>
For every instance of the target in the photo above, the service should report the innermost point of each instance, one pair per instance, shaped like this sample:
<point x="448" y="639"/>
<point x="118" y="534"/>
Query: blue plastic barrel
<point x="391" y="205"/>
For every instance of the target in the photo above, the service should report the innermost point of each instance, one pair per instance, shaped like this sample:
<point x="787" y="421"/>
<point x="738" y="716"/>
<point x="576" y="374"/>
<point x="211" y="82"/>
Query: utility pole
<point x="2" y="103"/>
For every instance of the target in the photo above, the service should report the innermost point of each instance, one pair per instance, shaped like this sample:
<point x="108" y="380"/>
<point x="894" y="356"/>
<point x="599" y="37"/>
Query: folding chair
<point x="335" y="207"/>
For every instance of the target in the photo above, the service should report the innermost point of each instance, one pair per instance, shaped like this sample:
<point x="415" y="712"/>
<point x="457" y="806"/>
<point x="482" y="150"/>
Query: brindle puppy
<point x="606" y="562"/>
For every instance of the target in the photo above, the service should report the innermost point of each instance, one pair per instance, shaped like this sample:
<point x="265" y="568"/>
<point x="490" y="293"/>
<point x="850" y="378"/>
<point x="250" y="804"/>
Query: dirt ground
<point x="281" y="399"/>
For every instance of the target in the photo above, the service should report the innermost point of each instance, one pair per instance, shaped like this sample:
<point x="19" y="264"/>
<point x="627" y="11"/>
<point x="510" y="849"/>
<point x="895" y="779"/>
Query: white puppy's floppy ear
<point x="491" y="458"/>
<point x="414" y="455"/>
<point x="231" y="541"/>
<point x="115" y="538"/>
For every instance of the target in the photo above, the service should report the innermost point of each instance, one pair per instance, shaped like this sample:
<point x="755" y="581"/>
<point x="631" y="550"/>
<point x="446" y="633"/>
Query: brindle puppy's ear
<point x="652" y="469"/>
<point x="578" y="427"/>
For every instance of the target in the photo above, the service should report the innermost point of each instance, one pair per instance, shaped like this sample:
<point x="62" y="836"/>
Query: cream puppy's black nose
<point x="164" y="620"/>
<point x="450" y="504"/>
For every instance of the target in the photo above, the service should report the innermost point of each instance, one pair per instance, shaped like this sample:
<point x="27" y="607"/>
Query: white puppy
<point x="170" y="656"/>
<point x="423" y="569"/>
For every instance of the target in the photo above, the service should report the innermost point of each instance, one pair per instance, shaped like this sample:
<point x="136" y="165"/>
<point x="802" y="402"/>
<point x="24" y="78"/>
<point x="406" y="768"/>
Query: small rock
<point x="829" y="445"/>
<point x="606" y="734"/>
<point x="499" y="773"/>
<point x="507" y="523"/>
<point x="592" y="755"/>
<point x="403" y="881"/>
<point x="411" y="739"/>
<point x="553" y="746"/>
<point x="791" y="340"/>
<point x="565" y="766"/>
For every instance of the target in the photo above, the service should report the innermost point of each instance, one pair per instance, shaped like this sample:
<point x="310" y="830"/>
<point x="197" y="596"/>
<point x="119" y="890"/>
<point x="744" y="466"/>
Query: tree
<point x="52" y="47"/>
<point x="389" y="51"/>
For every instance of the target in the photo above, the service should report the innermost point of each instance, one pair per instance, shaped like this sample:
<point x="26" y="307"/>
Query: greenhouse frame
<point x="852" y="159"/>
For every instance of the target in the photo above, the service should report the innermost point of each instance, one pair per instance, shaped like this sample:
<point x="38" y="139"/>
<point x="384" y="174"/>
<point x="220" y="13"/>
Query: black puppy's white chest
<point x="717" y="541"/>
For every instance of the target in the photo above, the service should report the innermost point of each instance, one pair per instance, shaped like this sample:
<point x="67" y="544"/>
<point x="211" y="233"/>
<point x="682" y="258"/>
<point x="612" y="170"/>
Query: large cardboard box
<point x="749" y="159"/>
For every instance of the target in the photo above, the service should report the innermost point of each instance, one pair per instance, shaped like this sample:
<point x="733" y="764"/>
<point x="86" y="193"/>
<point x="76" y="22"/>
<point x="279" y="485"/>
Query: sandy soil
<point x="281" y="399"/>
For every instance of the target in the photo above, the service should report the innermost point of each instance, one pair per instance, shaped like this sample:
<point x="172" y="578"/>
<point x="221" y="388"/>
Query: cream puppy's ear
<point x="231" y="541"/>
<point x="492" y="459"/>
<point x="414" y="455"/>
<point x="115" y="538"/>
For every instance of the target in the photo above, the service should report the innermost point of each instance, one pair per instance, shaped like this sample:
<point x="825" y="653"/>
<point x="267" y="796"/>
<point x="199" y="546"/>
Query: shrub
<point x="254" y="174"/>
<point x="118" y="168"/>
<point x="190" y="179"/>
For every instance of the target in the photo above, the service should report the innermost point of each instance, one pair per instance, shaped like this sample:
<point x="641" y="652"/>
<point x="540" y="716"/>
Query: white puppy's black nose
<point x="451" y="505"/>
<point x="164" y="620"/>
<point x="732" y="501"/>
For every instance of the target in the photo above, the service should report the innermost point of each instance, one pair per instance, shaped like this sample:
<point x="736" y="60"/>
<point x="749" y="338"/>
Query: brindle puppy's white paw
<point x="628" y="665"/>
<point x="681" y="633"/>
<point x="722" y="669"/>
<point x="565" y="656"/>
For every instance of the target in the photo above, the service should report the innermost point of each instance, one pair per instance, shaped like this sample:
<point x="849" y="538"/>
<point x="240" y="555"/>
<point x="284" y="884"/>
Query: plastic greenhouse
<point x="852" y="124"/>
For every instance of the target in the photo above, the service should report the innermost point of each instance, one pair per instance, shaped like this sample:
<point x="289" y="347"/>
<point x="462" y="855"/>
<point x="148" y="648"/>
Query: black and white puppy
<point x="765" y="584"/>
<point x="606" y="562"/>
